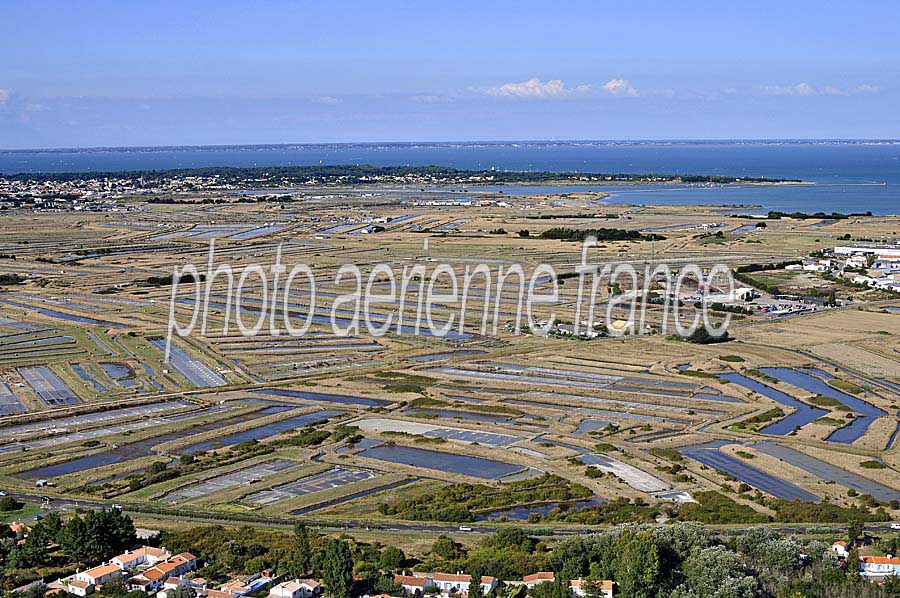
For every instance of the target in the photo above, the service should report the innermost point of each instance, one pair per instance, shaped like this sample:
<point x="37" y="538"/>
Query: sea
<point x="847" y="176"/>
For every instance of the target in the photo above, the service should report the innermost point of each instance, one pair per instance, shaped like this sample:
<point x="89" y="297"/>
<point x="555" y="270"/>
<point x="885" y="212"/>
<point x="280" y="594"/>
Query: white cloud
<point x="866" y="88"/>
<point x="533" y="88"/>
<point x="800" y="89"/>
<point x="805" y="89"/>
<point x="619" y="87"/>
<point x="4" y="95"/>
<point x="328" y="100"/>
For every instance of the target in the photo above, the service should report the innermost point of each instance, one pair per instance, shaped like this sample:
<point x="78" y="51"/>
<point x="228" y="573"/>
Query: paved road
<point x="391" y="527"/>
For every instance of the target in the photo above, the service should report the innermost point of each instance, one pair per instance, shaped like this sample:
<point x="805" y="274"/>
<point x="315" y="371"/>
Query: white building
<point x="413" y="584"/>
<point x="538" y="578"/>
<point x="879" y="566"/>
<point x="868" y="249"/>
<point x="817" y="265"/>
<point x="840" y="549"/>
<point x="887" y="265"/>
<point x="296" y="588"/>
<point x="98" y="575"/>
<point x="145" y="556"/>
<point x="579" y="588"/>
<point x="459" y="582"/>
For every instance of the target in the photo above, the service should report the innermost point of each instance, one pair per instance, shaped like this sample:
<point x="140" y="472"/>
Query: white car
<point x="465" y="528"/>
<point x="895" y="526"/>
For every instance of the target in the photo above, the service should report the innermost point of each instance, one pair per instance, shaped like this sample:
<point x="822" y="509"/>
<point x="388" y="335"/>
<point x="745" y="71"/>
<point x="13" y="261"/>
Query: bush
<point x="701" y="336"/>
<point x="872" y="464"/>
<point x="715" y="508"/>
<point x="8" y="503"/>
<point x="602" y="234"/>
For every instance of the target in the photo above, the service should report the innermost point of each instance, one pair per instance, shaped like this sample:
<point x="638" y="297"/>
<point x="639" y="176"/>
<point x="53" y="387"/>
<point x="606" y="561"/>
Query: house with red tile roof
<point x="98" y="576"/>
<point x="537" y="578"/>
<point x="152" y="579"/>
<point x="840" y="549"/>
<point x="879" y="566"/>
<point x="145" y="556"/>
<point x="580" y="587"/>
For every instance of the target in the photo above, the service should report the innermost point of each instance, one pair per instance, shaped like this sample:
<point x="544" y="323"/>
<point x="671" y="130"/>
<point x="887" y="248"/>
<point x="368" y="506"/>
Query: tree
<point x="35" y="590"/>
<point x="391" y="558"/>
<point x="100" y="535"/>
<point x="708" y="572"/>
<point x="558" y="588"/>
<point x="52" y="524"/>
<point x="636" y="565"/>
<point x="337" y="568"/>
<point x="475" y="589"/>
<point x="302" y="550"/>
<point x="512" y="537"/>
<point x="853" y="563"/>
<point x="445" y="548"/>
<point x="114" y="588"/>
<point x="8" y="503"/>
<point x="35" y="550"/>
<point x="73" y="539"/>
<point x="855" y="531"/>
<point x="386" y="585"/>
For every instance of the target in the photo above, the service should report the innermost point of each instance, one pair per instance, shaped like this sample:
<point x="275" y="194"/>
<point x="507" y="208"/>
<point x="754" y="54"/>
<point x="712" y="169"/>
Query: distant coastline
<point x="837" y="175"/>
<point x="366" y="174"/>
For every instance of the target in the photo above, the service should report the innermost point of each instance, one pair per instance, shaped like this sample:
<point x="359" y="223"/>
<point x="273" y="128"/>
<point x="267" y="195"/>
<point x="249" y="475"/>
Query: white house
<point x="172" y="583"/>
<point x="296" y="588"/>
<point x="412" y="584"/>
<point x="879" y="566"/>
<point x="98" y="575"/>
<point x="145" y="556"/>
<point x="459" y="582"/>
<point x="247" y="585"/>
<point x="840" y="549"/>
<point x="79" y="588"/>
<point x="579" y="588"/>
<point x="152" y="579"/>
<point x="538" y="578"/>
<point x="817" y="265"/>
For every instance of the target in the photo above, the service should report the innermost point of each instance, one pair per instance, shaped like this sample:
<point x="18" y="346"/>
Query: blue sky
<point x="91" y="73"/>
